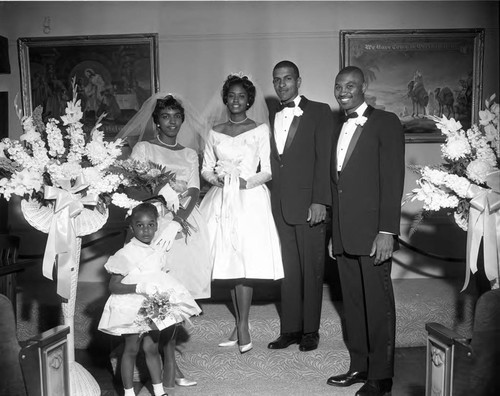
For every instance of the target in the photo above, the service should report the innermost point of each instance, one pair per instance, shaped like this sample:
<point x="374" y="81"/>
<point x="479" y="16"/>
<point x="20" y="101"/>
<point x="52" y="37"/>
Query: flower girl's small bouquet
<point x="467" y="183"/>
<point x="159" y="311"/>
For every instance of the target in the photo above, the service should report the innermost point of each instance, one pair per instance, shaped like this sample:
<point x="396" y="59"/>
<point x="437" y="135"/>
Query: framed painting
<point x="115" y="74"/>
<point x="417" y="73"/>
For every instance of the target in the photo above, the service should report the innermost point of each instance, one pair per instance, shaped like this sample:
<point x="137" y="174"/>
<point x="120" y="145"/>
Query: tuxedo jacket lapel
<point x="352" y="144"/>
<point x="355" y="137"/>
<point x="295" y="124"/>
<point x="291" y="132"/>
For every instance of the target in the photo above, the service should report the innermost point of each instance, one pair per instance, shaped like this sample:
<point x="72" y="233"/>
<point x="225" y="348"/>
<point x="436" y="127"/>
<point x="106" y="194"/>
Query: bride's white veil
<point x="216" y="112"/>
<point x="141" y="125"/>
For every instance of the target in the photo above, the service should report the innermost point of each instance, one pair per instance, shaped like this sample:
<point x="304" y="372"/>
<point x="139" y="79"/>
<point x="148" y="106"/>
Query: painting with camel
<point x="415" y="76"/>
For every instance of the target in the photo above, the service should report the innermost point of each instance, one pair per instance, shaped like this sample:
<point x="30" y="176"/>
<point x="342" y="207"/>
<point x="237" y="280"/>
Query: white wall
<point x="201" y="42"/>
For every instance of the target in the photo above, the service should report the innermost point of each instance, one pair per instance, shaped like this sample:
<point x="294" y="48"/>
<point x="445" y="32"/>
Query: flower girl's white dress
<point x="243" y="237"/>
<point x="139" y="262"/>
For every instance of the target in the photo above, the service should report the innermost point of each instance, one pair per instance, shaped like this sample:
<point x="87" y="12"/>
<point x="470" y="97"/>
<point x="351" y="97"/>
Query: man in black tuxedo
<point x="367" y="180"/>
<point x="300" y="193"/>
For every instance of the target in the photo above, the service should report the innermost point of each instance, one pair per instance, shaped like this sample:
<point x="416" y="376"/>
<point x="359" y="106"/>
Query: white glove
<point x="147" y="288"/>
<point x="167" y="236"/>
<point x="170" y="196"/>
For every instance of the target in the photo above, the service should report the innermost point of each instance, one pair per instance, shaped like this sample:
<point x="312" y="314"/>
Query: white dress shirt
<point x="282" y="121"/>
<point x="346" y="135"/>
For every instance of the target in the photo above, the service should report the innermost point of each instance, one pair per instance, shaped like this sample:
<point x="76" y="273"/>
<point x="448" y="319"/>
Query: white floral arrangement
<point x="48" y="155"/>
<point x="65" y="181"/>
<point x="471" y="164"/>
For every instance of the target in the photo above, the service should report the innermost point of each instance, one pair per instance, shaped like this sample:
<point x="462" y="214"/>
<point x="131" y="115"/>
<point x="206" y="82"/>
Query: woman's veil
<point x="141" y="125"/>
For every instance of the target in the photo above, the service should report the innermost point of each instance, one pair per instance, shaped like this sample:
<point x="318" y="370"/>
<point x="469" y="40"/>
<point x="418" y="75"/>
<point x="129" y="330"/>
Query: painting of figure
<point x="114" y="75"/>
<point x="417" y="74"/>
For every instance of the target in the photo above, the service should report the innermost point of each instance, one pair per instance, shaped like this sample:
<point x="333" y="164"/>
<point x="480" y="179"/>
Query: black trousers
<point x="303" y="252"/>
<point x="370" y="315"/>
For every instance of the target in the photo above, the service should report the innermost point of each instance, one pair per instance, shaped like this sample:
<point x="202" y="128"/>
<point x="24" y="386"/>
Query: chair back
<point x="11" y="378"/>
<point x="9" y="249"/>
<point x="485" y="343"/>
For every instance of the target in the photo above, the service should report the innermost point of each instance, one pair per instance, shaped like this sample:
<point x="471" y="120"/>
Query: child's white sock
<point x="158" y="389"/>
<point x="129" y="392"/>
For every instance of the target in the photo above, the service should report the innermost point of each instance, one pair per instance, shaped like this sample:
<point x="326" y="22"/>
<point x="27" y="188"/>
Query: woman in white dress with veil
<point x="170" y="134"/>
<point x="244" y="242"/>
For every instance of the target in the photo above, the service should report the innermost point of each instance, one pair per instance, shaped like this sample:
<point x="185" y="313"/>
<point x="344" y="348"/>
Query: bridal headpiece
<point x="216" y="112"/>
<point x="141" y="125"/>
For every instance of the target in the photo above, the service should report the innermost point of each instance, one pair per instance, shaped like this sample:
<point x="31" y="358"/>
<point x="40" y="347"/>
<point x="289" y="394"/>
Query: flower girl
<point x="144" y="300"/>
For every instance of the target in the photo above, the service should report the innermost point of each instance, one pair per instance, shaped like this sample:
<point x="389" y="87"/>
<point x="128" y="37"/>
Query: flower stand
<point x="86" y="222"/>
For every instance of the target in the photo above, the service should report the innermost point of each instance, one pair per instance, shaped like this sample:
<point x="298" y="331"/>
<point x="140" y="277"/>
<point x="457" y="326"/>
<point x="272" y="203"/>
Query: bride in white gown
<point x="244" y="242"/>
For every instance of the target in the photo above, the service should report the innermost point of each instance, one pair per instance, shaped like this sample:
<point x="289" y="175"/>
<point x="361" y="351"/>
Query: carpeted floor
<point x="224" y="371"/>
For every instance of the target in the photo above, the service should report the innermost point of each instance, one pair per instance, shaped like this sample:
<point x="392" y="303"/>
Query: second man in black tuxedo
<point x="300" y="194"/>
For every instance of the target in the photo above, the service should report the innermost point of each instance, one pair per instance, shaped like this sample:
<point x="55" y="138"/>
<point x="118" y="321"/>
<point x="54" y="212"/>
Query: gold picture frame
<point x="115" y="74"/>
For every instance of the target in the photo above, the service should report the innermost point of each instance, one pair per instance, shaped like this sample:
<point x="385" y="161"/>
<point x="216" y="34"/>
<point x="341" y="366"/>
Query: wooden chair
<point x="481" y="370"/>
<point x="39" y="366"/>
<point x="10" y="266"/>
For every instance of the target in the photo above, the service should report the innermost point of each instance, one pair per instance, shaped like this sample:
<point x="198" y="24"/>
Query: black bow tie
<point x="283" y="105"/>
<point x="347" y="116"/>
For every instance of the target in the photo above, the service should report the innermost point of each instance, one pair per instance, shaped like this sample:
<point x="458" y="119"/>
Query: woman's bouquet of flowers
<point x="149" y="181"/>
<point x="63" y="176"/>
<point x="145" y="181"/>
<point x="468" y="182"/>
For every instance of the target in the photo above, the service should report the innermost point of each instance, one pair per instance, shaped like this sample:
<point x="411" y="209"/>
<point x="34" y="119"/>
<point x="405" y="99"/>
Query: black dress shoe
<point x="285" y="340"/>
<point x="376" y="388"/>
<point x="347" y="379"/>
<point x="309" y="342"/>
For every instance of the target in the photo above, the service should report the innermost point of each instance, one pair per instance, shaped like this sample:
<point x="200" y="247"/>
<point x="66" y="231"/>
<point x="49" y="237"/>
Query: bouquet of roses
<point x="145" y="181"/>
<point x="471" y="164"/>
<point x="148" y="176"/>
<point x="149" y="181"/>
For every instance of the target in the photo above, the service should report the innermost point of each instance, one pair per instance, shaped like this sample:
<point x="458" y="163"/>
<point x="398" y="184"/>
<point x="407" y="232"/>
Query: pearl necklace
<point x="237" y="122"/>
<point x="166" y="144"/>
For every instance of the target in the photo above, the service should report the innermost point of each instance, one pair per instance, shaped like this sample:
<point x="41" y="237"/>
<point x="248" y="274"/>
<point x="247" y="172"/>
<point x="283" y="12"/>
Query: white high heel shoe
<point x="228" y="343"/>
<point x="185" y="382"/>
<point x="246" y="347"/>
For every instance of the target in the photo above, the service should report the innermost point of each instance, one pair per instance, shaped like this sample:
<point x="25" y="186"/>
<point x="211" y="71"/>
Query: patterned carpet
<point x="219" y="371"/>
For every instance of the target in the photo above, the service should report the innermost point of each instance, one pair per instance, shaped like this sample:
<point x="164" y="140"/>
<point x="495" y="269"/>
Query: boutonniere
<point x="360" y="120"/>
<point x="297" y="111"/>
